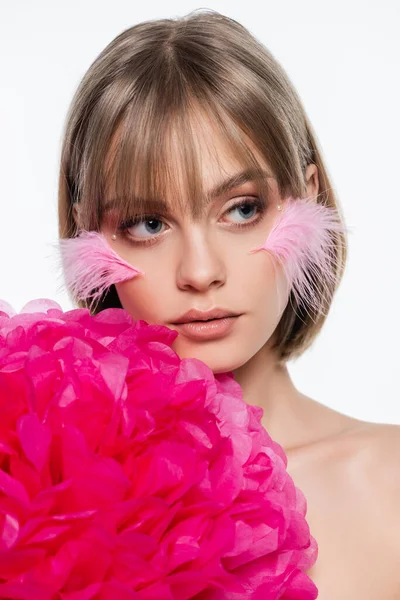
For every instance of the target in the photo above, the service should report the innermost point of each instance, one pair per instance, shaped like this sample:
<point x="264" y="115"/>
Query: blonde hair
<point x="149" y="81"/>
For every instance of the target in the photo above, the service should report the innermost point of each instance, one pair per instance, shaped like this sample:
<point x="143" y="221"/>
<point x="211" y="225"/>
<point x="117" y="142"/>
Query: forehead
<point x="203" y="165"/>
<point x="215" y="153"/>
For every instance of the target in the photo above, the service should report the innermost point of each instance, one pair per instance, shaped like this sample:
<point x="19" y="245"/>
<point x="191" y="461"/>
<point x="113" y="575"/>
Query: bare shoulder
<point x="357" y="461"/>
<point x="378" y="447"/>
<point x="373" y="483"/>
<point x="338" y="439"/>
<point x="382" y="457"/>
<point x="385" y="436"/>
<point x="370" y="452"/>
<point x="351" y="480"/>
<point x="357" y="468"/>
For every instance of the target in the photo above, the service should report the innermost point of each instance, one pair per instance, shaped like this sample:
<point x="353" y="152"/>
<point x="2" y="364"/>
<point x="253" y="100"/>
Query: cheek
<point x="145" y="297"/>
<point x="267" y="288"/>
<point x="267" y="291"/>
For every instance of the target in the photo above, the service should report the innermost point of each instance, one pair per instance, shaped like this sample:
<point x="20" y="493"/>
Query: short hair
<point x="152" y="79"/>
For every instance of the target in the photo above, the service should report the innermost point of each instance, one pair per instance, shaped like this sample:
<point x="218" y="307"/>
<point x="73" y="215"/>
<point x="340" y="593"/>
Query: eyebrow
<point x="220" y="189"/>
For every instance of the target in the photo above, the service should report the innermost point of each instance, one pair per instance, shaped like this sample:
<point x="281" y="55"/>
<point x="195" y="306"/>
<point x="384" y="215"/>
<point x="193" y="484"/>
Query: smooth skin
<point x="348" y="469"/>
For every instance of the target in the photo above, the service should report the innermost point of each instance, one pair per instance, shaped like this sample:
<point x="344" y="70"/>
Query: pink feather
<point x="91" y="266"/>
<point x="301" y="239"/>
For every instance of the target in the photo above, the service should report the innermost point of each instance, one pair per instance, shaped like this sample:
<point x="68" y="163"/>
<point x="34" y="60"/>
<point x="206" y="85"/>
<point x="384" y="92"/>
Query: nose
<point x="201" y="264"/>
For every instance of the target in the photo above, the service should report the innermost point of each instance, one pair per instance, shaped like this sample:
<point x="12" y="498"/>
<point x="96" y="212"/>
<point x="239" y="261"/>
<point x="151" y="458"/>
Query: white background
<point x="343" y="58"/>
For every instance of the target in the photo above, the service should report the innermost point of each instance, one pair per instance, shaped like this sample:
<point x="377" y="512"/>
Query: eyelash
<point x="252" y="201"/>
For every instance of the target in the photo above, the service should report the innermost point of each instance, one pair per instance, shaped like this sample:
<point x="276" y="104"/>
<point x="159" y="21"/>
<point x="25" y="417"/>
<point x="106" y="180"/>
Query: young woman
<point x="183" y="144"/>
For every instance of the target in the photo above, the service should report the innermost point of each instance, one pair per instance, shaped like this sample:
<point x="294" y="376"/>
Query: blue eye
<point x="152" y="224"/>
<point x="149" y="224"/>
<point x="246" y="207"/>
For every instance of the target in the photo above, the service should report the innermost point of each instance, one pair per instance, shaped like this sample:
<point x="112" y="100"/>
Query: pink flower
<point x="126" y="472"/>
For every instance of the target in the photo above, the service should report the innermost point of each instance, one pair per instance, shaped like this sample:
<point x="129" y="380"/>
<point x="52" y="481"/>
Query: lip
<point x="199" y="315"/>
<point x="207" y="330"/>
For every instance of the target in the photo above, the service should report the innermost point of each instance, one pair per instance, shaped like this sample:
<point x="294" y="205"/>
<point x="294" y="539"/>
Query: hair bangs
<point x="156" y="166"/>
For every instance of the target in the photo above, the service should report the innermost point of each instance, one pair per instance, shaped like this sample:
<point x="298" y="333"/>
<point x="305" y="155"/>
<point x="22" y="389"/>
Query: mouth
<point x="207" y="329"/>
<point x="195" y="315"/>
<point x="205" y="320"/>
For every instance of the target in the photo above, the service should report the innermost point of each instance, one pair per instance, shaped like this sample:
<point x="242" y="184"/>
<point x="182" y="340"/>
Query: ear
<point x="312" y="180"/>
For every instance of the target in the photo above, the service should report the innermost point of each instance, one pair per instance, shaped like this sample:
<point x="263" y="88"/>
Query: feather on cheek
<point x="301" y="242"/>
<point x="91" y="266"/>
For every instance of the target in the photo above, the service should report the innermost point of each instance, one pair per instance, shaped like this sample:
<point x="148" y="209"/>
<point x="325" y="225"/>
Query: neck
<point x="266" y="383"/>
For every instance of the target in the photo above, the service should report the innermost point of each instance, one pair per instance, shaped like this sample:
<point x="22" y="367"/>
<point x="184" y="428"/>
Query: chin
<point x="218" y="359"/>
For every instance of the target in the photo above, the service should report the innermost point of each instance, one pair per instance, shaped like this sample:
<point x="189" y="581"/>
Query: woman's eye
<point x="142" y="228"/>
<point x="245" y="210"/>
<point x="146" y="229"/>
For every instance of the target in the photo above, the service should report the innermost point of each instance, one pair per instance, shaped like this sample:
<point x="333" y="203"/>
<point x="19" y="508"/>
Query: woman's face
<point x="206" y="263"/>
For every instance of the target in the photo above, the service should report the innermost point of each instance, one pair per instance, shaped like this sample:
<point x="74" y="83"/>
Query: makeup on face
<point x="300" y="240"/>
<point x="151" y="225"/>
<point x="90" y="265"/>
<point x="207" y="330"/>
<point x="206" y="325"/>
